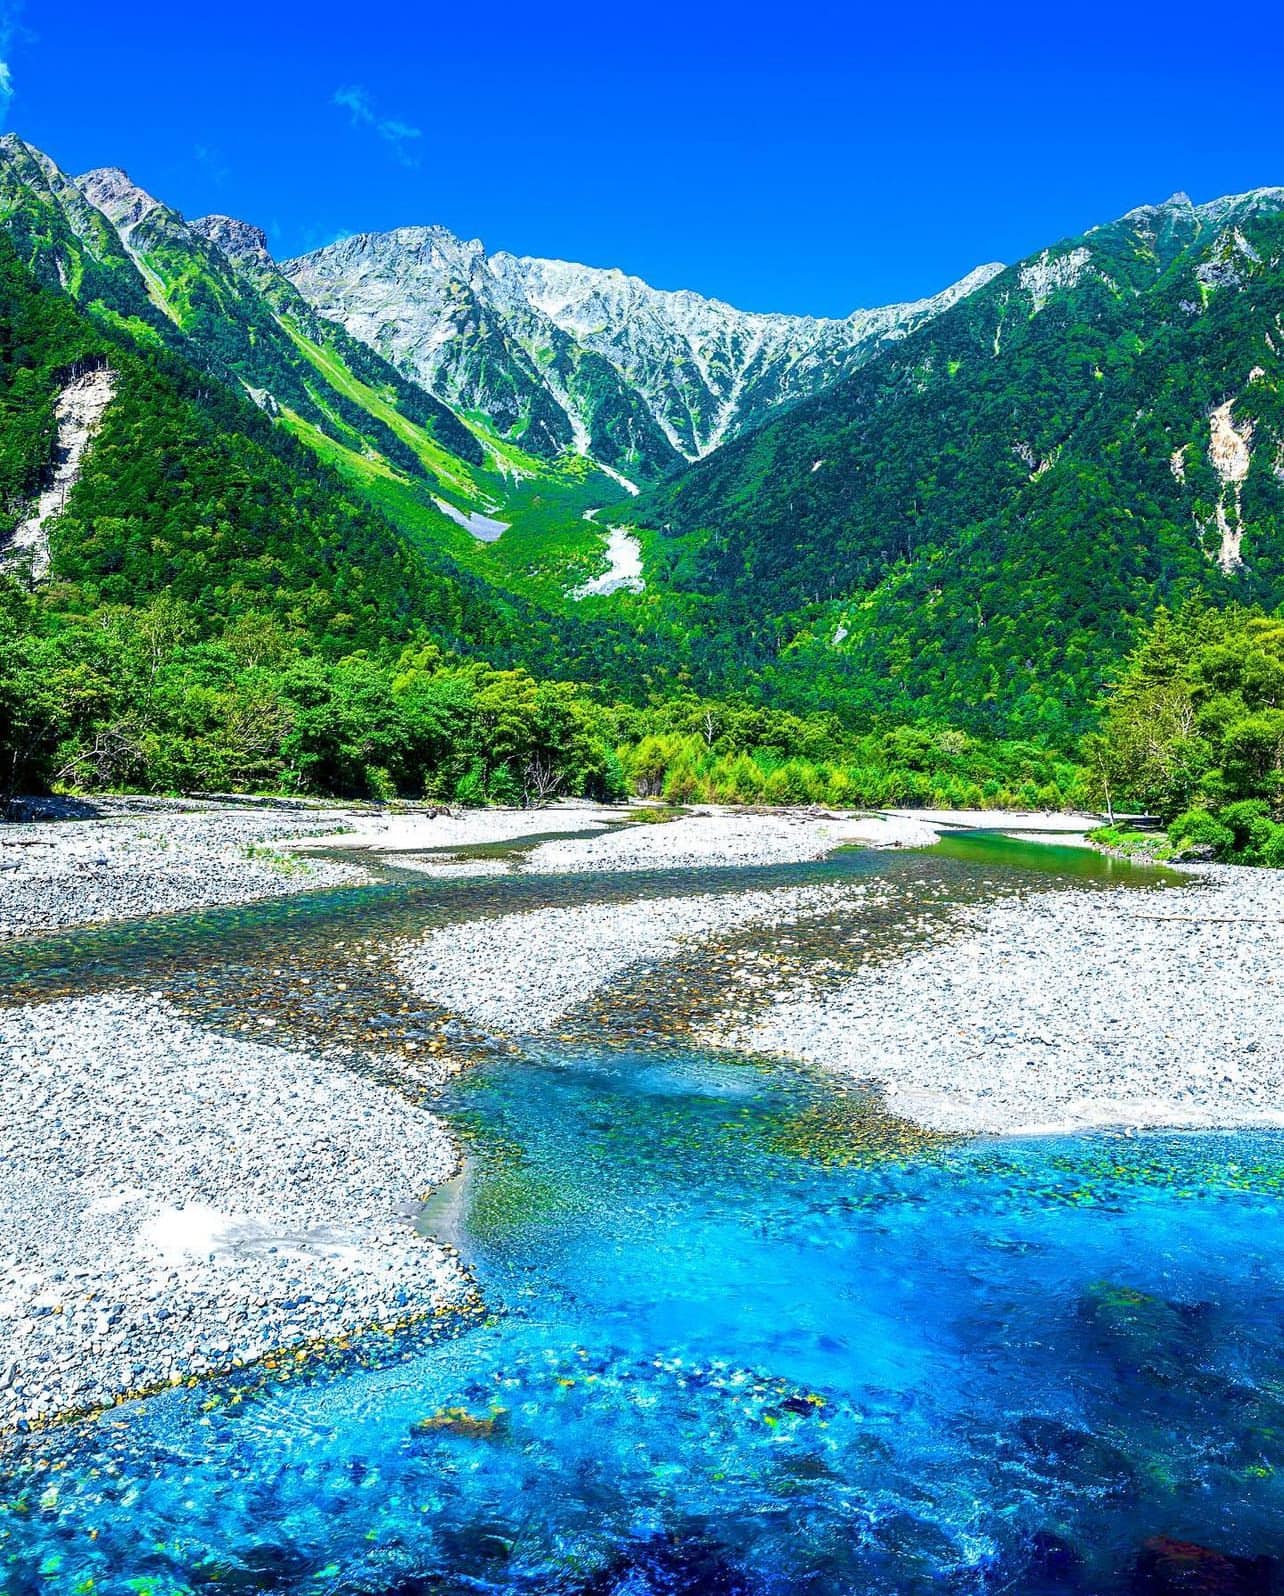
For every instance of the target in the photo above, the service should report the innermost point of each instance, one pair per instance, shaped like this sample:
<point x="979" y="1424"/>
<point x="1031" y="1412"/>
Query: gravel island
<point x="173" y="1202"/>
<point x="1068" y="1010"/>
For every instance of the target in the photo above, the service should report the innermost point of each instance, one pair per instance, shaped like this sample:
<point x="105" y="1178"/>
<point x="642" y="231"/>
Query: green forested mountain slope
<point x="188" y="490"/>
<point x="189" y="493"/>
<point x="969" y="526"/>
<point x="209" y="291"/>
<point x="968" y="530"/>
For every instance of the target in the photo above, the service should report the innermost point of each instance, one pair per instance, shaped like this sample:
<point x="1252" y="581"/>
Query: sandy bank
<point x="1068" y="1010"/>
<point x="173" y="1202"/>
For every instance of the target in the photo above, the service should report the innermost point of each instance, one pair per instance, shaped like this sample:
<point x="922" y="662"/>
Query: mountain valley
<point x="960" y="509"/>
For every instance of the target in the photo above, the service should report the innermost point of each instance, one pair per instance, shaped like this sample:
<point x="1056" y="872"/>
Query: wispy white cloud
<point x="10" y="31"/>
<point x="399" y="136"/>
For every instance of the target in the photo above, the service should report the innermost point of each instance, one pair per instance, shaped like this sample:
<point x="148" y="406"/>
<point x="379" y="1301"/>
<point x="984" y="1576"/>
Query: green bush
<point x="1249" y="822"/>
<point x="1199" y="829"/>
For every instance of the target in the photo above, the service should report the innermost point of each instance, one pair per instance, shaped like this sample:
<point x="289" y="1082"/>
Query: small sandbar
<point x="411" y="832"/>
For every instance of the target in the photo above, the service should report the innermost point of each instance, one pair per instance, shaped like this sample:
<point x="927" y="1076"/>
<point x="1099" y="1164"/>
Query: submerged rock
<point x="1167" y="1567"/>
<point x="472" y="1546"/>
<point x="459" y="1421"/>
<point x="676" y="1565"/>
<point x="1141" y="1334"/>
<point x="1073" y="1459"/>
<point x="268" y="1567"/>
<point x="1054" y="1562"/>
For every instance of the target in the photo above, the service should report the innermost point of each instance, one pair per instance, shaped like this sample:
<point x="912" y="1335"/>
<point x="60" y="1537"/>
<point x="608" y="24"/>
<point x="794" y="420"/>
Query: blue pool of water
<point x="744" y="1338"/>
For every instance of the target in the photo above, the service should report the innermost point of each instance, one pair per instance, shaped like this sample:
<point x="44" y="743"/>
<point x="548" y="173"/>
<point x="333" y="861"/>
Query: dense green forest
<point x="145" y="697"/>
<point x="971" y="528"/>
<point x="1194" y="732"/>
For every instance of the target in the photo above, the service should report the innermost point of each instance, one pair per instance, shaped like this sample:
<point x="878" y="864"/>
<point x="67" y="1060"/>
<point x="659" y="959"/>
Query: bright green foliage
<point x="970" y="527"/>
<point x="1194" y="730"/>
<point x="145" y="698"/>
<point x="149" y="697"/>
<point x="713" y="752"/>
<point x="1152" y="845"/>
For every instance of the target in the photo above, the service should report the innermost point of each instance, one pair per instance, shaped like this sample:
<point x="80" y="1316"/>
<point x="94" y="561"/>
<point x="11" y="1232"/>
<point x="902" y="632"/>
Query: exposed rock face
<point x="143" y="225"/>
<point x="1230" y="457"/>
<point x="1043" y="276"/>
<point x="54" y="226"/>
<point x="568" y="356"/>
<point x="240" y="241"/>
<point x="78" y="412"/>
<point x="118" y="197"/>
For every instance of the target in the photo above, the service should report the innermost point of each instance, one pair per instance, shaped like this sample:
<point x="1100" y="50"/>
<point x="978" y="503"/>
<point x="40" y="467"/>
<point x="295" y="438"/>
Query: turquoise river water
<point x="740" y="1338"/>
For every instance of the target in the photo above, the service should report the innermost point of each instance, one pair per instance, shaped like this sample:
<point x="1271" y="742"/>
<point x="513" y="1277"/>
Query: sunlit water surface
<point x="739" y="1340"/>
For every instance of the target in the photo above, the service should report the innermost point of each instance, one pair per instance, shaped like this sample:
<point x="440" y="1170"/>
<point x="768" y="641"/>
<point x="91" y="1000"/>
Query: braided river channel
<point x="739" y="1331"/>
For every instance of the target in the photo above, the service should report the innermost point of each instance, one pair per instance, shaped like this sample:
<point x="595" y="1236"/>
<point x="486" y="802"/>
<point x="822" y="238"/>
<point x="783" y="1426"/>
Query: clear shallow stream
<point x="740" y="1341"/>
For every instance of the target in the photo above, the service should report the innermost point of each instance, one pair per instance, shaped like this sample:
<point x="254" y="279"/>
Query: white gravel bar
<point x="396" y="833"/>
<point x="1068" y="1011"/>
<point x="1021" y="821"/>
<point x="728" y="837"/>
<point x="522" y="972"/>
<point x="173" y="1202"/>
<point x="61" y="873"/>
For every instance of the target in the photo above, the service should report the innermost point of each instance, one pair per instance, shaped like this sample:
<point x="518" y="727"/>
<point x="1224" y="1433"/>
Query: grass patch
<point x="1152" y="845"/>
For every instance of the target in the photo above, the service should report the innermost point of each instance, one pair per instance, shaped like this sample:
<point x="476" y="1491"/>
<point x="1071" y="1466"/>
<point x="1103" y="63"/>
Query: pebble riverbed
<point x="162" y="861"/>
<point x="174" y="1202"/>
<point x="522" y="972"/>
<point x="1067" y="1011"/>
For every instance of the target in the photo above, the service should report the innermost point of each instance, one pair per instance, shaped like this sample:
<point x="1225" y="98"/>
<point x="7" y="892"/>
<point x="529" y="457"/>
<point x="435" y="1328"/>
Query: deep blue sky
<point x="798" y="156"/>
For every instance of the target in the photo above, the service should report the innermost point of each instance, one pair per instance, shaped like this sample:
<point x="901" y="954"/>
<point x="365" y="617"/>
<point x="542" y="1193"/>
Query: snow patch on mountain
<point x="623" y="572"/>
<point x="483" y="527"/>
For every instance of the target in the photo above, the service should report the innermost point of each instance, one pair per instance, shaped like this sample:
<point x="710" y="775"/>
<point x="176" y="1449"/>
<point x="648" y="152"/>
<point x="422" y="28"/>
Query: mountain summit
<point x="568" y="356"/>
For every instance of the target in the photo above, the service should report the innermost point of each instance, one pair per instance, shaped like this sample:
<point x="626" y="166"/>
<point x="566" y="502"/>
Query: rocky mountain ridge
<point x="591" y="359"/>
<point x="492" y="361"/>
